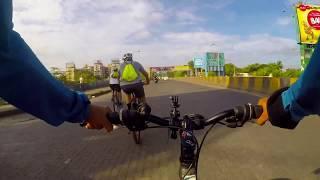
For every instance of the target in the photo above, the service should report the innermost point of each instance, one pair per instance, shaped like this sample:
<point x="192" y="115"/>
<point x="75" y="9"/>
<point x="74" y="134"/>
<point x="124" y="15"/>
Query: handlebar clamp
<point x="197" y="121"/>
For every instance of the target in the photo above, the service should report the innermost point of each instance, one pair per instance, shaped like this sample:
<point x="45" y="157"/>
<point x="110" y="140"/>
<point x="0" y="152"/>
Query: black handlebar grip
<point x="247" y="112"/>
<point x="258" y="110"/>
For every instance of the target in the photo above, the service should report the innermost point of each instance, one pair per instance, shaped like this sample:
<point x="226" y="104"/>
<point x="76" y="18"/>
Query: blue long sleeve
<point x="27" y="84"/>
<point x="303" y="97"/>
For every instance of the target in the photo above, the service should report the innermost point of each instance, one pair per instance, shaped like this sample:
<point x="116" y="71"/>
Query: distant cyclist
<point x="114" y="83"/>
<point x="131" y="80"/>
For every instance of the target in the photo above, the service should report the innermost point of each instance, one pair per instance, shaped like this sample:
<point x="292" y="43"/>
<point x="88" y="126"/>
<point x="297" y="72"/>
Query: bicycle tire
<point x="116" y="103"/>
<point x="113" y="102"/>
<point x="136" y="137"/>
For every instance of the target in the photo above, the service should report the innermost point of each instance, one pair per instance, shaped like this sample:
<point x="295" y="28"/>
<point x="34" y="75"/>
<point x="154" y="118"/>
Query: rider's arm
<point x="27" y="84"/>
<point x="144" y="72"/>
<point x="287" y="106"/>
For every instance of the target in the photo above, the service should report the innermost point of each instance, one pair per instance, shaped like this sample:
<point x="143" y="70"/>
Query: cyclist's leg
<point x="113" y="91"/>
<point x="118" y="92"/>
<point x="139" y="93"/>
<point x="128" y="94"/>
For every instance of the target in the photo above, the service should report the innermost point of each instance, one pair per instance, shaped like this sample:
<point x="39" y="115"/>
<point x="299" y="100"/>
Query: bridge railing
<point x="78" y="87"/>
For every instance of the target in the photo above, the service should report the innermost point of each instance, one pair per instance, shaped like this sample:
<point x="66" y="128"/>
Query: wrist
<point x="278" y="115"/>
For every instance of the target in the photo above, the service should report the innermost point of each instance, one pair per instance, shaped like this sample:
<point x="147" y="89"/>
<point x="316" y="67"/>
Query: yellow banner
<point x="309" y="23"/>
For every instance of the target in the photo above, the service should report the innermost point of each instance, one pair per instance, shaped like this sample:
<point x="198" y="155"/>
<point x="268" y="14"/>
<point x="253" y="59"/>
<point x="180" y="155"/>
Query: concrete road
<point x="31" y="149"/>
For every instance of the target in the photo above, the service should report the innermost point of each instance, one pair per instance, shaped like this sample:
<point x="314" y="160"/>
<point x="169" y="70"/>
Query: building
<point x="209" y="62"/>
<point x="115" y="62"/>
<point x="99" y="70"/>
<point x="70" y="71"/>
<point x="89" y="68"/>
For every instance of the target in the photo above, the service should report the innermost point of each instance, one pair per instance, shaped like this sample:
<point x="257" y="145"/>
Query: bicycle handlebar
<point x="235" y="117"/>
<point x="190" y="148"/>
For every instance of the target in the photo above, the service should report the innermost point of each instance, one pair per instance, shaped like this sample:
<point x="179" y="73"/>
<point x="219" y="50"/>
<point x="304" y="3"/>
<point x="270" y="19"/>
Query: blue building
<point x="210" y="62"/>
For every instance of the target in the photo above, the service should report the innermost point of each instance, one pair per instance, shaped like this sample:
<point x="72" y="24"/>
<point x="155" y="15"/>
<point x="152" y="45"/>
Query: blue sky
<point x="159" y="33"/>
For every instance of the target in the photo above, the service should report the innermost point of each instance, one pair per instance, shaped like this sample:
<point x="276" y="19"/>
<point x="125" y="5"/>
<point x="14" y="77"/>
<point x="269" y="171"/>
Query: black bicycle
<point x="190" y="148"/>
<point x="136" y="134"/>
<point x="116" y="102"/>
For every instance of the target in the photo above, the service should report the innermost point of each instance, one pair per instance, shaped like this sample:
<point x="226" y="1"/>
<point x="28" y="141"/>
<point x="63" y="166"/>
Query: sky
<point x="158" y="32"/>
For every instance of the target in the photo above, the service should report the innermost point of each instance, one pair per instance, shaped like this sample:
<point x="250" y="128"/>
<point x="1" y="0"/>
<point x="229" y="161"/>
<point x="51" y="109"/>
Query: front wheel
<point x="186" y="174"/>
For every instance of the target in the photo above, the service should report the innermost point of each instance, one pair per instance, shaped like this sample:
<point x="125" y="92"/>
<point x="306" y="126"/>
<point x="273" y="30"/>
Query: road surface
<point x="31" y="149"/>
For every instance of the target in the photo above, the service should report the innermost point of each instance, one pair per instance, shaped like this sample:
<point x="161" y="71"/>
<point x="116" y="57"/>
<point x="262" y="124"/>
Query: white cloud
<point x="188" y="17"/>
<point x="83" y="31"/>
<point x="177" y="48"/>
<point x="265" y="48"/>
<point x="219" y="4"/>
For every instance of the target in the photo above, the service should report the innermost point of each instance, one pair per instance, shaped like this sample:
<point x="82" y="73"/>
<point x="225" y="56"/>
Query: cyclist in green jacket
<point x="131" y="80"/>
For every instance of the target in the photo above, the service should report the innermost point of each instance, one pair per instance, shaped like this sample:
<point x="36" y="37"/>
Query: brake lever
<point x="232" y="122"/>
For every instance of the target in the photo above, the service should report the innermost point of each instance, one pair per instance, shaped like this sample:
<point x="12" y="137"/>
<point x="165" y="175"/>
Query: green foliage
<point x="87" y="75"/>
<point x="229" y="69"/>
<point x="263" y="70"/>
<point x="173" y="74"/>
<point x="211" y="74"/>
<point x="274" y="69"/>
<point x="170" y="74"/>
<point x="291" y="73"/>
<point x="61" y="77"/>
<point x="179" y="73"/>
<point x="191" y="65"/>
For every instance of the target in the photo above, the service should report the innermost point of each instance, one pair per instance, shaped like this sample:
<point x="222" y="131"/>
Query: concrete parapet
<point x="264" y="85"/>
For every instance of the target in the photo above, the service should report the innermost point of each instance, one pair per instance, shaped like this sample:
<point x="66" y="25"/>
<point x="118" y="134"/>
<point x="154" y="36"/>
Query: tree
<point x="87" y="75"/>
<point x="212" y="74"/>
<point x="291" y="73"/>
<point x="191" y="66"/>
<point x="62" y="78"/>
<point x="230" y="69"/>
<point x="264" y="69"/>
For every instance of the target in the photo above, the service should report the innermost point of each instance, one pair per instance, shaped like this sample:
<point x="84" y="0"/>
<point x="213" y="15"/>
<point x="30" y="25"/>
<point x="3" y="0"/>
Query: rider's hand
<point x="275" y="112"/>
<point x="97" y="118"/>
<point x="264" y="116"/>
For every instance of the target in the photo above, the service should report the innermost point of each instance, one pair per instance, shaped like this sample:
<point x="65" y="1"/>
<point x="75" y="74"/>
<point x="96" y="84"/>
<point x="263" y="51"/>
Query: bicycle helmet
<point x="127" y="57"/>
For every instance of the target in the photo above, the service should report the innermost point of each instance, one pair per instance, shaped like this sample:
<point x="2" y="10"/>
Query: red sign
<point x="303" y="7"/>
<point x="314" y="19"/>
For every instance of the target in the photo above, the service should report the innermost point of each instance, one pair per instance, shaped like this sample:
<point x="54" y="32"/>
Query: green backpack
<point x="129" y="73"/>
<point x="115" y="74"/>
